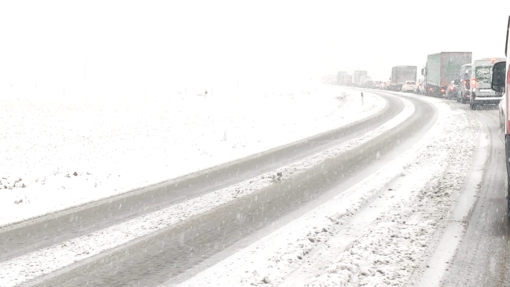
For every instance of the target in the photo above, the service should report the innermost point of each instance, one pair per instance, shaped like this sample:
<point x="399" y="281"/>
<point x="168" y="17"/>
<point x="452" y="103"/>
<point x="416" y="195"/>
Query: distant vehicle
<point x="357" y="81"/>
<point x="464" y="85"/>
<point x="368" y="83"/>
<point x="386" y="85"/>
<point x="400" y="74"/>
<point x="419" y="88"/>
<point x="347" y="80"/>
<point x="340" y="77"/>
<point x="343" y="78"/>
<point x="453" y="90"/>
<point x="409" y="86"/>
<point x="363" y="80"/>
<point x="378" y="84"/>
<point x="481" y="93"/>
<point x="441" y="69"/>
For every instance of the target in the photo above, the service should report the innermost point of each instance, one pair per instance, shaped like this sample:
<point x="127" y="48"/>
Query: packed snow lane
<point x="174" y="252"/>
<point x="54" y="228"/>
<point x="482" y="256"/>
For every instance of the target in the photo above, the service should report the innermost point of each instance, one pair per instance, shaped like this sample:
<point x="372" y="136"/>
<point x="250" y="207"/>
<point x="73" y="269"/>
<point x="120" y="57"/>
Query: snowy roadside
<point x="55" y="257"/>
<point x="62" y="152"/>
<point x="373" y="234"/>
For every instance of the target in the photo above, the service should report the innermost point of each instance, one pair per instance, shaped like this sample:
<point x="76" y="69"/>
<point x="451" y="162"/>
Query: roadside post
<point x="362" y="102"/>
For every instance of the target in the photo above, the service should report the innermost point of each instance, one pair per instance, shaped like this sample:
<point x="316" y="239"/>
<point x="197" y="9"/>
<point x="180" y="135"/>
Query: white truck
<point x="481" y="93"/>
<point x="441" y="69"/>
<point x="366" y="82"/>
<point x="340" y="77"/>
<point x="357" y="77"/>
<point x="401" y="74"/>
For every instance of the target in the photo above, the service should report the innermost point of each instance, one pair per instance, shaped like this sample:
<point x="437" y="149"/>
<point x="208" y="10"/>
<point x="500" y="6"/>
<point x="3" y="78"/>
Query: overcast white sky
<point x="162" y="43"/>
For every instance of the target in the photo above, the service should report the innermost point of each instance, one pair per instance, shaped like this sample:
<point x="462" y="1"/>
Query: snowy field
<point x="374" y="234"/>
<point x="65" y="150"/>
<point x="60" y="255"/>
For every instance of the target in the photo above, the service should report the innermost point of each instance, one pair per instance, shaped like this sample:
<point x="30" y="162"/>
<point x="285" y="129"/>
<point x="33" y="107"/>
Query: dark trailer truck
<point x="401" y="74"/>
<point x="441" y="69"/>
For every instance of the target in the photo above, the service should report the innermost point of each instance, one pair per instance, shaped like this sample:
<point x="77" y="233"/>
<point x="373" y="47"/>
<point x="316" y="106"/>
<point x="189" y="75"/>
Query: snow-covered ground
<point x="374" y="234"/>
<point x="63" y="151"/>
<point x="60" y="255"/>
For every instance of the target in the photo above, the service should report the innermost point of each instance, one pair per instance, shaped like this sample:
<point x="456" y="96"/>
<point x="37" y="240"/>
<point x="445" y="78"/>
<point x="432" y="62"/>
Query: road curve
<point x="31" y="235"/>
<point x="166" y="255"/>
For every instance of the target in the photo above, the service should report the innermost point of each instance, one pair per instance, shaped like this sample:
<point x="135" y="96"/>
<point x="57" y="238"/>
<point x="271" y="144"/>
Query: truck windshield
<point x="483" y="76"/>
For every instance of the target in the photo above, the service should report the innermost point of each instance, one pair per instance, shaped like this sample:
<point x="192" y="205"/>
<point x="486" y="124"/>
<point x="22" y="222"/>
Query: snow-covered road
<point x="374" y="234"/>
<point x="313" y="222"/>
<point x="60" y="255"/>
<point x="289" y="190"/>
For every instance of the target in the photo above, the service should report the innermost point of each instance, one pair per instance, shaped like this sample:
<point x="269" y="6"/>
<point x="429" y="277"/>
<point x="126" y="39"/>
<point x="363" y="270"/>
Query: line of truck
<point x="359" y="78"/>
<point x="451" y="75"/>
<point x="454" y="75"/>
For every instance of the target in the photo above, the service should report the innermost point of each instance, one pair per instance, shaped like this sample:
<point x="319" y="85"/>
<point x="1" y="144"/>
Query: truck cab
<point x="481" y="93"/>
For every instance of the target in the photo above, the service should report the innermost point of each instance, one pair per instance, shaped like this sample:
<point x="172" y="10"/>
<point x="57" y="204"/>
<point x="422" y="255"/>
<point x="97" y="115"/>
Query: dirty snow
<point x="375" y="233"/>
<point x="59" y="151"/>
<point x="44" y="261"/>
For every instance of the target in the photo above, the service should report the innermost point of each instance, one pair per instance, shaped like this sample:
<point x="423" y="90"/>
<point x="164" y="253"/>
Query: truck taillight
<point x="473" y="83"/>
